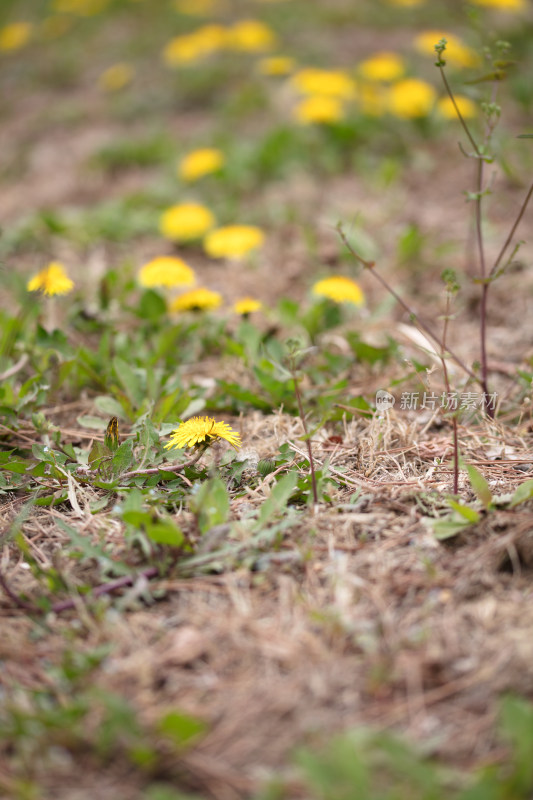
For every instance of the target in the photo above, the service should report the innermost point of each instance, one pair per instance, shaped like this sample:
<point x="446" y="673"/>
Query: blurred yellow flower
<point x="197" y="8"/>
<point x="84" y="8"/>
<point x="201" y="162"/>
<point x="197" y="430"/>
<point x="466" y="106"/>
<point x="382" y="67"/>
<point x="192" y="46"/>
<point x="51" y="280"/>
<point x="166" y="271"/>
<point x="185" y="222"/>
<point x="457" y="53"/>
<point x="276" y="65"/>
<point x="233" y="241"/>
<point x="340" y="290"/>
<point x="116" y="77"/>
<point x="247" y="305"/>
<point x="406" y="3"/>
<point x="502" y="5"/>
<point x="318" y="109"/>
<point x="252" y="36"/>
<point x="325" y="82"/>
<point x="14" y="36"/>
<point x="411" y="98"/>
<point x="197" y="300"/>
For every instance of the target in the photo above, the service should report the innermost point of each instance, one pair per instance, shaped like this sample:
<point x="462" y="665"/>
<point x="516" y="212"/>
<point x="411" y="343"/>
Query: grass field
<point x="266" y="467"/>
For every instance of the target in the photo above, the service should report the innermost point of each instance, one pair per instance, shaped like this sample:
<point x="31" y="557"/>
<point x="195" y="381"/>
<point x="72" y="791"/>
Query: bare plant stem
<point x="512" y="232"/>
<point x="164" y="467"/>
<point x="369" y="265"/>
<point x="448" y="391"/>
<point x="306" y="432"/>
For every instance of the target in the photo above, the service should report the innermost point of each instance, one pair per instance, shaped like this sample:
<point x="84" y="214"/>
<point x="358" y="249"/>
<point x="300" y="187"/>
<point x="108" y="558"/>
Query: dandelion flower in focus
<point x="116" y="77"/>
<point x="233" y="241"/>
<point x="276" y="65"/>
<point x="340" y="290"/>
<point x="14" y="36"/>
<point x="252" y="36"/>
<point x="51" y="280"/>
<point x="197" y="300"/>
<point x="199" y="163"/>
<point x="382" y="67"/>
<point x="247" y="305"/>
<point x="411" y="98"/>
<point x="166" y="271"/>
<point x="319" y="109"/>
<point x="199" y="430"/>
<point x="457" y="53"/>
<point x="466" y="106"/>
<point x="502" y="5"/>
<point x="186" y="222"/>
<point x="324" y="82"/>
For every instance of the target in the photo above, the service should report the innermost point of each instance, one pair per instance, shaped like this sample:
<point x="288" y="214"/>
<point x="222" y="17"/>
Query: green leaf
<point x="164" y="531"/>
<point x="448" y="528"/>
<point x="277" y="501"/>
<point x="97" y="453"/>
<point x="110" y="407"/>
<point x="468" y="513"/>
<point x="19" y="467"/>
<point x="123" y="458"/>
<point x="129" y="380"/>
<point x="210" y="504"/>
<point x="523" y="492"/>
<point x="181" y="728"/>
<point x="479" y="485"/>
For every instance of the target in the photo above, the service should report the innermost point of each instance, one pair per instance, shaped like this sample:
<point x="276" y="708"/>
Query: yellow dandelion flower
<point x="411" y="98"/>
<point x="457" y="53"/>
<point x="382" y="67"/>
<point x="202" y="430"/>
<point x="324" y="82"/>
<point x="233" y="241"/>
<point x="252" y="36"/>
<point x="502" y="5"/>
<point x="116" y="77"/>
<point x="339" y="289"/>
<point x="200" y="299"/>
<point x="466" y="106"/>
<point x="186" y="222"/>
<point x="319" y="109"/>
<point x="200" y="162"/>
<point x="14" y="36"/>
<point x="196" y="45"/>
<point x="51" y="280"/>
<point x="166" y="271"/>
<point x="247" y="305"/>
<point x="276" y="65"/>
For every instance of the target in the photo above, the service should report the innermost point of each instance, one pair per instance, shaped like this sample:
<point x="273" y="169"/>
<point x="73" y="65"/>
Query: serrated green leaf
<point x="98" y="452"/>
<point x="123" y="457"/>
